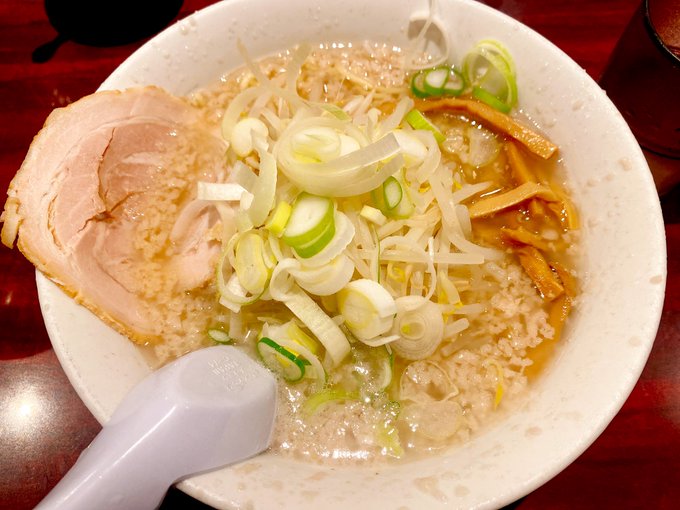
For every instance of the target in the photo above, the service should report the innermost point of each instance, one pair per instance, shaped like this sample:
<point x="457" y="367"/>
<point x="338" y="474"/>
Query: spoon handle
<point x="208" y="409"/>
<point x="114" y="472"/>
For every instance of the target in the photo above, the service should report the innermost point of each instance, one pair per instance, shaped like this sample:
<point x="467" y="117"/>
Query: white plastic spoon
<point x="208" y="409"/>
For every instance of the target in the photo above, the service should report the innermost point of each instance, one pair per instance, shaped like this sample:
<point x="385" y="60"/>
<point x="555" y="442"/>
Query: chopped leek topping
<point x="373" y="215"/>
<point x="326" y="279"/>
<point x="435" y="80"/>
<point x="438" y="81"/>
<point x="296" y="334"/>
<point x="357" y="280"/>
<point x="227" y="191"/>
<point x="316" y="144"/>
<point x="279" y="218"/>
<point x="311" y="225"/>
<point x="232" y="294"/>
<point x="490" y="70"/>
<point x="368" y="309"/>
<point x="418" y="121"/>
<point x="320" y="324"/>
<point x="413" y="149"/>
<point x="488" y="98"/>
<point x="243" y="133"/>
<point x="250" y="265"/>
<point x="392" y="193"/>
<point x="280" y="360"/>
<point x="219" y="336"/>
<point x="336" y="111"/>
<point x="309" y="217"/>
<point x="420" y="325"/>
<point x="393" y="198"/>
<point x="456" y="83"/>
<point x="418" y="85"/>
<point x="318" y="399"/>
<point x="488" y="73"/>
<point x="360" y="166"/>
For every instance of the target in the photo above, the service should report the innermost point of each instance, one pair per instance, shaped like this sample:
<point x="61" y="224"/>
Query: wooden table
<point x="44" y="426"/>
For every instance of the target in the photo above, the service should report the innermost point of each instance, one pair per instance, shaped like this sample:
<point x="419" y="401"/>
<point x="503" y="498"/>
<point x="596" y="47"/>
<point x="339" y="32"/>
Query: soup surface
<point x="499" y="277"/>
<point x="387" y="235"/>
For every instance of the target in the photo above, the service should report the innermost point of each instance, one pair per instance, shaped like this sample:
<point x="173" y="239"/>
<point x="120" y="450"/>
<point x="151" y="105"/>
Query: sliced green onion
<point x="489" y="67"/>
<point x="497" y="47"/>
<point x="488" y="98"/>
<point x="232" y="294"/>
<point x="348" y="145"/>
<point x="420" y="325"/>
<point x="318" y="399"/>
<point x="435" y="80"/>
<point x="319" y="323"/>
<point x="335" y="110"/>
<point x="413" y="150"/>
<point x="296" y="334"/>
<point x="373" y="215"/>
<point x="292" y="338"/>
<point x="311" y="225"/>
<point x="309" y="217"/>
<point x="243" y="133"/>
<point x="418" y="85"/>
<point x="375" y="265"/>
<point x="315" y="246"/>
<point x="403" y="208"/>
<point x="327" y="279"/>
<point x="316" y="144"/>
<point x="392" y="193"/>
<point x="347" y="175"/>
<point x="264" y="189"/>
<point x="344" y="233"/>
<point x="310" y="360"/>
<point x="305" y="348"/>
<point x="417" y="120"/>
<point x="279" y="218"/>
<point x="219" y="336"/>
<point x="386" y="367"/>
<point x="456" y="83"/>
<point x="280" y="360"/>
<point x="367" y="307"/>
<point x="223" y="191"/>
<point x="250" y="266"/>
<point x="438" y="81"/>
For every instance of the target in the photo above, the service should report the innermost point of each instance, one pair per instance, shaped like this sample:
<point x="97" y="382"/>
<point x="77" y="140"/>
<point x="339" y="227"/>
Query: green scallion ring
<point x="280" y="360"/>
<point x="417" y="120"/>
<point x="219" y="336"/>
<point x="456" y="83"/>
<point x="488" y="98"/>
<point x="392" y="193"/>
<point x="435" y="80"/>
<point x="418" y="86"/>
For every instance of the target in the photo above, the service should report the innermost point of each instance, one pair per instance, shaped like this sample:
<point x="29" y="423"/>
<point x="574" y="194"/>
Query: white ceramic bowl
<point x="608" y="337"/>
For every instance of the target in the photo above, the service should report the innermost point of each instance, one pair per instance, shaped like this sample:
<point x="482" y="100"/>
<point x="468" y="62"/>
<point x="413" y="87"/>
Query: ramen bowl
<point x="606" y="341"/>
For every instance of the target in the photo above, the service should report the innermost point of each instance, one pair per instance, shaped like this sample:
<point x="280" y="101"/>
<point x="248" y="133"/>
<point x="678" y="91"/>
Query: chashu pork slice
<point x="95" y="200"/>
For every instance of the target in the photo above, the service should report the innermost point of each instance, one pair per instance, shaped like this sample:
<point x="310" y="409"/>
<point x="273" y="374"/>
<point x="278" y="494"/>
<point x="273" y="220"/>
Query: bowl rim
<point x="597" y="426"/>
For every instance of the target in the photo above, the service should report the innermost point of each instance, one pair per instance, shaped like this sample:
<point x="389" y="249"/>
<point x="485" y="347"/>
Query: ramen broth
<point x="475" y="376"/>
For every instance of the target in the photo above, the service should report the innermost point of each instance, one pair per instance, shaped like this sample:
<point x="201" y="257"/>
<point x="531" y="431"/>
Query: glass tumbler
<point x="642" y="78"/>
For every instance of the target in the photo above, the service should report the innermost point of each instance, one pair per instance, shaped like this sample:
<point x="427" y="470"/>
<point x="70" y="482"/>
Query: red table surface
<point x="635" y="463"/>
